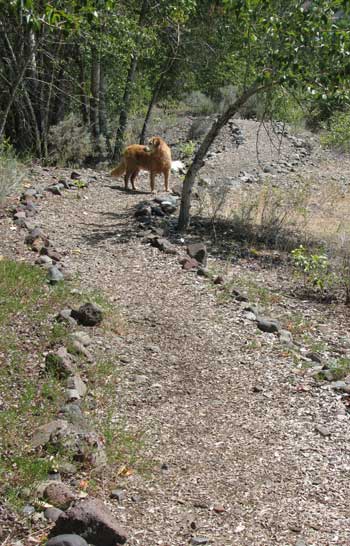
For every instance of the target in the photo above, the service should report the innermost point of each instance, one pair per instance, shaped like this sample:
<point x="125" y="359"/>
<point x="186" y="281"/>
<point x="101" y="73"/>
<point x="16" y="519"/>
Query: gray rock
<point x="43" y="260"/>
<point x="73" y="414"/>
<point x="198" y="251"/>
<point x="340" y="386"/>
<point x="285" y="337"/>
<point x="65" y="315"/>
<point x="118" y="494"/>
<point x="268" y="325"/>
<point x="52" y="514"/>
<point x="79" y="348"/>
<point x="249" y="316"/>
<point x="82" y="337"/>
<point x="197" y="541"/>
<point x="76" y="383"/>
<point x="55" y="275"/>
<point x="92" y="520"/>
<point x="67" y="540"/>
<point x="168" y="207"/>
<point x="19" y="215"/>
<point x="28" y="510"/>
<point x="72" y="395"/>
<point x="42" y="435"/>
<point x="56" y="189"/>
<point x="88" y="314"/>
<point x="66" y="468"/>
<point x="269" y="169"/>
<point x="59" y="363"/>
<point x="322" y="430"/>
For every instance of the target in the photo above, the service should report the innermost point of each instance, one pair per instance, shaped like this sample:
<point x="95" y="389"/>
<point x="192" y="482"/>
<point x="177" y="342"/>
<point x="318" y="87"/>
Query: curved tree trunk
<point x="197" y="163"/>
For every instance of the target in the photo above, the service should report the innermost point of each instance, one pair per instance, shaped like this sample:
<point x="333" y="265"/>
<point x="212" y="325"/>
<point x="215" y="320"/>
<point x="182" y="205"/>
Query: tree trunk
<point x="102" y="111"/>
<point x="124" y="112"/>
<point x="197" y="163"/>
<point x="82" y="92"/>
<point x="95" y="92"/>
<point x="154" y="99"/>
<point x="12" y="96"/>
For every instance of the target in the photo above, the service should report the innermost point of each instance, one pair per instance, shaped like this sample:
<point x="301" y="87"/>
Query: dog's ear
<point x="156" y="141"/>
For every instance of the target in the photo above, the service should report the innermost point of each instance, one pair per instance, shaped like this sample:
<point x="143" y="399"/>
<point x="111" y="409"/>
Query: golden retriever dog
<point x="155" y="158"/>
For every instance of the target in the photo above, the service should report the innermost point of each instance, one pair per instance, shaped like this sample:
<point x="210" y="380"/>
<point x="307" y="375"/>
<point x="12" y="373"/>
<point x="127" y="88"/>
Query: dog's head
<point x="154" y="142"/>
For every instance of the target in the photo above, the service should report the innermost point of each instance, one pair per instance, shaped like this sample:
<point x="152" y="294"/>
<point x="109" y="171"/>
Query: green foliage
<point x="339" y="368"/>
<point x="188" y="148"/>
<point x="199" y="104"/>
<point x="70" y="141"/>
<point x="314" y="268"/>
<point x="11" y="170"/>
<point x="337" y="132"/>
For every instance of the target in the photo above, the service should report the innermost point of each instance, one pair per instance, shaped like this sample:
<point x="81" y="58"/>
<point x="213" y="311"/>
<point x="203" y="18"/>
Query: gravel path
<point x="237" y="459"/>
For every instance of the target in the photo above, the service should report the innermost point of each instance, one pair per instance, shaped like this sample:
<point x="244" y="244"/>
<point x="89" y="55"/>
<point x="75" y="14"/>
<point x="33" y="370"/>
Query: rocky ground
<point x="241" y="443"/>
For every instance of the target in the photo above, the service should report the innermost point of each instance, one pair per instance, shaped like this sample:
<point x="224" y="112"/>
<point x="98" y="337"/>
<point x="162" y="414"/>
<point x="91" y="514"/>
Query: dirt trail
<point x="234" y="464"/>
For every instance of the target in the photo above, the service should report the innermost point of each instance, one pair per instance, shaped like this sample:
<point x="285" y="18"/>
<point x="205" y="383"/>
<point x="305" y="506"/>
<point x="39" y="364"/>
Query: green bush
<point x="71" y="142"/>
<point x="199" y="104"/>
<point x="11" y="171"/>
<point x="314" y="268"/>
<point x="337" y="134"/>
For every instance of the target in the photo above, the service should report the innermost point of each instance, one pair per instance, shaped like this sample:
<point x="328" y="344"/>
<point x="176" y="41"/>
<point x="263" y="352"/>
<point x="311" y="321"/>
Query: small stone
<point x="197" y="541"/>
<point x="43" y="260"/>
<point x="52" y="514"/>
<point x="19" y="215"/>
<point x="164" y="245"/>
<point x="88" y="314"/>
<point x="79" y="348"/>
<point x="28" y="510"/>
<point x="55" y="189"/>
<point x="239" y="296"/>
<point x="29" y="194"/>
<point x="268" y="325"/>
<point x="219" y="279"/>
<point x="118" y="494"/>
<point x="340" y="386"/>
<point x="323" y="430"/>
<point x="315" y="357"/>
<point x="72" y="395"/>
<point x="59" y="363"/>
<point x="257" y="388"/>
<point x="249" y="316"/>
<point x="219" y="508"/>
<point x="55" y="275"/>
<point x="67" y="540"/>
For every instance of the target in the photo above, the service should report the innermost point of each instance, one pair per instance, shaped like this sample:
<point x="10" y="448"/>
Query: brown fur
<point x="155" y="158"/>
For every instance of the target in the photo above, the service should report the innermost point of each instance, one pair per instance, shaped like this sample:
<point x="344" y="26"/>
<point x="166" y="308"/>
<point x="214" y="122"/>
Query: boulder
<point x="198" y="251"/>
<point x="88" y="314"/>
<point x="59" y="495"/>
<point x="93" y="521"/>
<point x="67" y="540"/>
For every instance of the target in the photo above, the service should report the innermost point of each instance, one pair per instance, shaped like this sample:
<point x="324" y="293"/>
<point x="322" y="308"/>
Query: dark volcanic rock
<point x="92" y="520"/>
<point x="88" y="314"/>
<point x="198" y="251"/>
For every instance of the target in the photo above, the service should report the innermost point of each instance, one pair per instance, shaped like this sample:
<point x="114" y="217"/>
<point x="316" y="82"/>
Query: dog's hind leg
<point x="133" y="178"/>
<point x="166" y="180"/>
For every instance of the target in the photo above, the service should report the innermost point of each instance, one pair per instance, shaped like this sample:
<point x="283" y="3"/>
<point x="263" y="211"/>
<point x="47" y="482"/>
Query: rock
<point x="197" y="541"/>
<point x="29" y="194"/>
<point x="198" y="251"/>
<point x="340" y="386"/>
<point x="118" y="494"/>
<point x="285" y="337"/>
<point x="322" y="430"/>
<point x="164" y="245"/>
<point x="56" y="189"/>
<point x="73" y="415"/>
<point x="143" y="211"/>
<point x="59" y="495"/>
<point x="59" y="363"/>
<point x="67" y="540"/>
<point x="168" y="207"/>
<point x="43" y="260"/>
<point x="157" y="211"/>
<point x="79" y="348"/>
<point x="219" y="279"/>
<point x="66" y="316"/>
<point x="239" y="296"/>
<point x="203" y="272"/>
<point x="28" y="510"/>
<point x="53" y="254"/>
<point x="76" y="383"/>
<point x="82" y="337"/>
<point x="42" y="435"/>
<point x="315" y="357"/>
<point x="219" y="509"/>
<point x="88" y="314"/>
<point x="269" y="169"/>
<point x="72" y="395"/>
<point x="249" y="316"/>
<point x="189" y="264"/>
<point x="55" y="275"/>
<point x="256" y="309"/>
<point x="268" y="325"/>
<point x="19" y="215"/>
<point x="52" y="514"/>
<point x="93" y="521"/>
<point x="66" y="468"/>
<point x="178" y="167"/>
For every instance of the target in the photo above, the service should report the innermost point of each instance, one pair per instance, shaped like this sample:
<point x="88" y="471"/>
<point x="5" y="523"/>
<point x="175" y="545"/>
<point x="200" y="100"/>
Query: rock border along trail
<point x="237" y="456"/>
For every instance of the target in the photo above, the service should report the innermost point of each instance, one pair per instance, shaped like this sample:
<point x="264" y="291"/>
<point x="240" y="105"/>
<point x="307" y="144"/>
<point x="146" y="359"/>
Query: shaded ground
<point x="227" y="414"/>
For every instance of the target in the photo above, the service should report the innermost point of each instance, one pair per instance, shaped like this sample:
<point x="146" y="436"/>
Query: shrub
<point x="338" y="133"/>
<point x="199" y="104"/>
<point x="187" y="149"/>
<point x="11" y="171"/>
<point x="314" y="268"/>
<point x="199" y="128"/>
<point x="71" y="142"/>
<point x="228" y="95"/>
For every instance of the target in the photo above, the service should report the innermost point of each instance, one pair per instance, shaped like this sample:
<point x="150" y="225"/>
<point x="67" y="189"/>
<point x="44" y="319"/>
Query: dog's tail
<point x="120" y="169"/>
